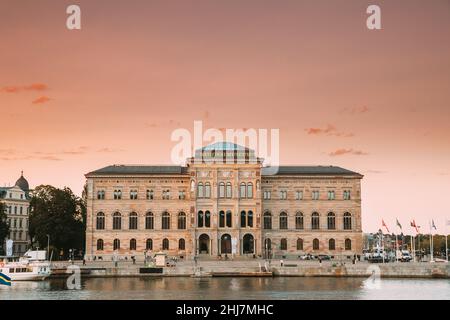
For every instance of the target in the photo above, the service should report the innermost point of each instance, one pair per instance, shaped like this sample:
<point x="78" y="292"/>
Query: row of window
<point x="225" y="220"/>
<point x="165" y="245"/>
<point x="17" y="222"/>
<point x="225" y="191"/>
<point x="19" y="236"/>
<point x="315" y="244"/>
<point x="315" y="221"/>
<point x="299" y="195"/>
<point x="17" y="210"/>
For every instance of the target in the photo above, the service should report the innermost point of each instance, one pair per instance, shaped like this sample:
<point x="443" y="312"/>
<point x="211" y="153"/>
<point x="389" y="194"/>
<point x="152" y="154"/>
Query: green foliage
<point x="4" y="227"/>
<point x="60" y="214"/>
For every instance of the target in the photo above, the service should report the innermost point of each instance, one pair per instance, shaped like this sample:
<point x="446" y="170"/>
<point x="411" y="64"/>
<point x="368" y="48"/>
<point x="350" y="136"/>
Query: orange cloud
<point x="341" y="152"/>
<point x="31" y="87"/>
<point x="41" y="99"/>
<point x="330" y="130"/>
<point x="355" y="110"/>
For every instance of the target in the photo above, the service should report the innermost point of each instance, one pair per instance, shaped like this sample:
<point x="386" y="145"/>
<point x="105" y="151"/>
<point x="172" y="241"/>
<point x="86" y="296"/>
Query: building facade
<point x="223" y="202"/>
<point x="17" y="203"/>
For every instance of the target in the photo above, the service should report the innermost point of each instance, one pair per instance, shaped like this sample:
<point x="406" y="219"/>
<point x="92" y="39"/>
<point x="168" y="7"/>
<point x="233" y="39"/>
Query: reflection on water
<point x="230" y="288"/>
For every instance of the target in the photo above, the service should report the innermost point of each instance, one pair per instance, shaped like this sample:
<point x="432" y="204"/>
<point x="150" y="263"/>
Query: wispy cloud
<point x="375" y="171"/>
<point x="14" y="155"/>
<point x="31" y="87"/>
<point x="355" y="110"/>
<point x="329" y="130"/>
<point x="40" y="100"/>
<point x="342" y="152"/>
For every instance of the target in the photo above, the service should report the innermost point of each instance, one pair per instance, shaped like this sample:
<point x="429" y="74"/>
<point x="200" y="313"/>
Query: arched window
<point x="348" y="244"/>
<point x="116" y="244"/>
<point x="331" y="221"/>
<point x="149" y="244"/>
<point x="229" y="219"/>
<point x="207" y="190"/>
<point x="222" y="219"/>
<point x="181" y="244"/>
<point x="100" y="221"/>
<point x="133" y="244"/>
<point x="117" y="221"/>
<point x="242" y="191"/>
<point x="229" y="190"/>
<point x="250" y="219"/>
<point x="100" y="245"/>
<point x="331" y="244"/>
<point x="315" y="222"/>
<point x="133" y="221"/>
<point x="267" y="220"/>
<point x="149" y="221"/>
<point x="222" y="190"/>
<point x="165" y="244"/>
<point x="299" y="220"/>
<point x="243" y="219"/>
<point x="283" y="244"/>
<point x="181" y="220"/>
<point x="347" y="221"/>
<point x="250" y="190"/>
<point x="200" y="219"/>
<point x="200" y="193"/>
<point x="283" y="220"/>
<point x="165" y="221"/>
<point x="299" y="244"/>
<point x="316" y="244"/>
<point x="207" y="219"/>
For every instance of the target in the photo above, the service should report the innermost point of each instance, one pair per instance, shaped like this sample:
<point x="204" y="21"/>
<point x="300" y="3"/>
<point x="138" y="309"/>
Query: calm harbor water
<point x="230" y="288"/>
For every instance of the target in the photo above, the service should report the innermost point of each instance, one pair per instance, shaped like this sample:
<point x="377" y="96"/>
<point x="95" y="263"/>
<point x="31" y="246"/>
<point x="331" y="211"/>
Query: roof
<point x="308" y="170"/>
<point x="22" y="183"/>
<point x="138" y="169"/>
<point x="224" y="146"/>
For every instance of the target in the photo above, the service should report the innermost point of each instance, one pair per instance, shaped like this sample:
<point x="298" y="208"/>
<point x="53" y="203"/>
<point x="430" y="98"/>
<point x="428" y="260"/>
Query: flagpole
<point x="431" y="245"/>
<point x="396" y="247"/>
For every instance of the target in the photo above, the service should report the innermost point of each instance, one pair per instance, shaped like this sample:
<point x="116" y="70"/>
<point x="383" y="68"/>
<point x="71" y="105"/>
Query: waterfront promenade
<point x="261" y="268"/>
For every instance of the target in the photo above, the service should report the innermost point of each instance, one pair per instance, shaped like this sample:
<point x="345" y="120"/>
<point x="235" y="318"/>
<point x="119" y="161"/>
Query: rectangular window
<point x="299" y="195"/>
<point x="101" y="195"/>
<point x="181" y="195"/>
<point x="283" y="195"/>
<point x="117" y="194"/>
<point x="149" y="194"/>
<point x="347" y="195"/>
<point x="133" y="194"/>
<point x="331" y="195"/>
<point x="315" y="195"/>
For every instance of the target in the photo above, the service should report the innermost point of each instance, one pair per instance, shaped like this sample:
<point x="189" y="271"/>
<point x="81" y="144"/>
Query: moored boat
<point x="32" y="266"/>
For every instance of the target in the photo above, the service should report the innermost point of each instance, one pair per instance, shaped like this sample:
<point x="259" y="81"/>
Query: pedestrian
<point x="281" y="263"/>
<point x="320" y="260"/>
<point x="84" y="261"/>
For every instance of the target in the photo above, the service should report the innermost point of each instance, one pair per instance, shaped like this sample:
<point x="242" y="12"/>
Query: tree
<point x="4" y="226"/>
<point x="60" y="214"/>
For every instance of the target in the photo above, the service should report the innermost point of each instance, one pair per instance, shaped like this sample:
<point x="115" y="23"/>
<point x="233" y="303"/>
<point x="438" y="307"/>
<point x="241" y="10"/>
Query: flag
<point x="433" y="225"/>
<point x="383" y="224"/>
<point x="5" y="280"/>
<point x="413" y="224"/>
<point x="398" y="224"/>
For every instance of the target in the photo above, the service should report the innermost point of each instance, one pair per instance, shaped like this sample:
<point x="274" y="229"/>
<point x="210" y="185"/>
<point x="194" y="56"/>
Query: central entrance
<point x="203" y="244"/>
<point x="225" y="244"/>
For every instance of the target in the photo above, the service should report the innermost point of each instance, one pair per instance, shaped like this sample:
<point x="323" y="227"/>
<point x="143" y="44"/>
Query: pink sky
<point x="376" y="102"/>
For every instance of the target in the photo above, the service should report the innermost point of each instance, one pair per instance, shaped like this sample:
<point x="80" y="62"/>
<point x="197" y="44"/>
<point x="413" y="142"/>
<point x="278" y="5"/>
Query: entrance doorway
<point x="225" y="244"/>
<point x="248" y="244"/>
<point x="203" y="244"/>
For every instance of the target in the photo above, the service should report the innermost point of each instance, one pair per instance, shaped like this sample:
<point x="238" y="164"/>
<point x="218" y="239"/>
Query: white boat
<point x="32" y="266"/>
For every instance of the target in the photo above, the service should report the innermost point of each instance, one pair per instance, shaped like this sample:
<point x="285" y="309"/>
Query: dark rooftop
<point x="309" y="170"/>
<point x="138" y="169"/>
